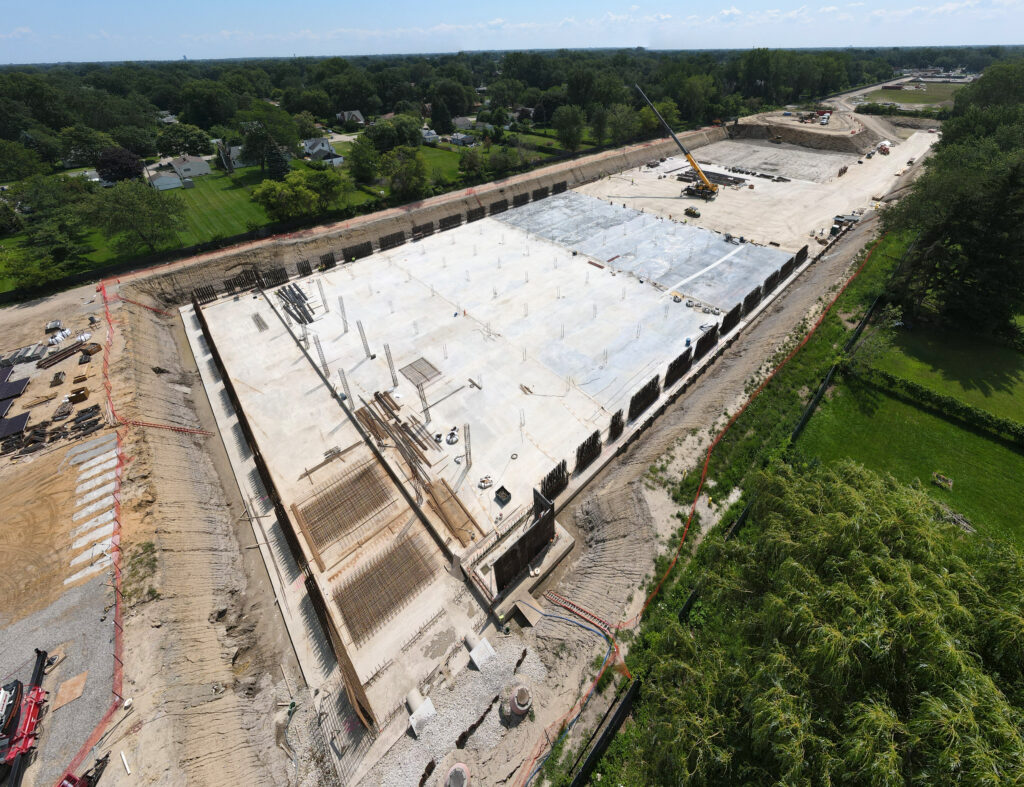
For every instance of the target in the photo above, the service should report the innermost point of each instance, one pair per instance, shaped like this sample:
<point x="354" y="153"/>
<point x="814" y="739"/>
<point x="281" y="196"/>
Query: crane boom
<point x="710" y="189"/>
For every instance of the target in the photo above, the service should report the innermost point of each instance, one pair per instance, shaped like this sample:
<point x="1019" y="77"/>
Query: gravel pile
<point x="458" y="707"/>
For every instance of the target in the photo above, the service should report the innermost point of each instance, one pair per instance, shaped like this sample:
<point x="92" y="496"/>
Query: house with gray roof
<point x="164" y="181"/>
<point x="318" y="149"/>
<point x="190" y="166"/>
<point x="353" y="115"/>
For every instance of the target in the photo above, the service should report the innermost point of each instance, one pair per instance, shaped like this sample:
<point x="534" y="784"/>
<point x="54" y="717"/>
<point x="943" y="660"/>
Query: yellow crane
<point x="704" y="189"/>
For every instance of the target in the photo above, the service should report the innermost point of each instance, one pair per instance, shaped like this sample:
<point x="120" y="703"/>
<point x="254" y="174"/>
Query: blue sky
<point x="84" y="30"/>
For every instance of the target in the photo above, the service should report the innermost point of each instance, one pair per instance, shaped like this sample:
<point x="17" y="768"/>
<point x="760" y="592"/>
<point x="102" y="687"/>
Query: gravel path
<point x="79" y="624"/>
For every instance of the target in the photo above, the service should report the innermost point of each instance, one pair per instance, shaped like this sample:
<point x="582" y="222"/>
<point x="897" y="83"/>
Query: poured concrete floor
<point x="783" y="213"/>
<point x="790" y="161"/>
<point x="678" y="257"/>
<point x="537" y="346"/>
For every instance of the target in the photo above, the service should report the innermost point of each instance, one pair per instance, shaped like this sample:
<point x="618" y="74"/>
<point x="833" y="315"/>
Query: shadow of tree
<point x="975" y="363"/>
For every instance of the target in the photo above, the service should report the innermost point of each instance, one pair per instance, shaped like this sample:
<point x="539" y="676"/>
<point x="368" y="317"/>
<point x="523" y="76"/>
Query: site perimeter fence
<point x="600" y="747"/>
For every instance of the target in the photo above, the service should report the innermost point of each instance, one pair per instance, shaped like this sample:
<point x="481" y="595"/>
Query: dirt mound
<point x="859" y="140"/>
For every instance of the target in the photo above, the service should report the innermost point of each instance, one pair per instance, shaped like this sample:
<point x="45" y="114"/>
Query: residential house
<point x="464" y="140"/>
<point x="93" y="176"/>
<point x="353" y="115"/>
<point x="190" y="166"/>
<point x="162" y="181"/>
<point x="486" y="127"/>
<point x="430" y="136"/>
<point x="318" y="149"/>
<point x="237" y="159"/>
<point x="334" y="160"/>
<point x="462" y="123"/>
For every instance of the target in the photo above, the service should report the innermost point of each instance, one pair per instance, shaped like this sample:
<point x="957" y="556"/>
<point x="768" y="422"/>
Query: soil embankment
<point x="846" y="134"/>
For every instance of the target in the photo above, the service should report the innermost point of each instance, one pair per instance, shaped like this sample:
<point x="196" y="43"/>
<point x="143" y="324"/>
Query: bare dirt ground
<point x="206" y="656"/>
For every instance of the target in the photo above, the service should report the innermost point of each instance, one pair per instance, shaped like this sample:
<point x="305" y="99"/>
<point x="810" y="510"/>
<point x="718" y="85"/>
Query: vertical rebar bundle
<point x="323" y="298"/>
<point x="423" y="401"/>
<point x="341" y="308"/>
<point x="469" y="450"/>
<point x="320" y="355"/>
<point x="344" y="385"/>
<point x="391" y="366"/>
<point x="362" y="335"/>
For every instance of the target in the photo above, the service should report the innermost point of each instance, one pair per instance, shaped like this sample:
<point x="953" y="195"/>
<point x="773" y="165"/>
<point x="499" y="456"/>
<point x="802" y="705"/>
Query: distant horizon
<point x="440" y="53"/>
<point x="50" y="33"/>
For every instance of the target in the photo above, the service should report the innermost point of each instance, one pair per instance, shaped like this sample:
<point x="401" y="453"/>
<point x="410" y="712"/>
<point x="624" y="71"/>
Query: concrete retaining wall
<point x="177" y="282"/>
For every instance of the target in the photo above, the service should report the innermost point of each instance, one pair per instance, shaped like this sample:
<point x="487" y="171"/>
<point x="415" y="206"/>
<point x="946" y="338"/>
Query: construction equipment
<point x="692" y="213"/>
<point x="21" y="723"/>
<point x="705" y="189"/>
<point x="90" y="777"/>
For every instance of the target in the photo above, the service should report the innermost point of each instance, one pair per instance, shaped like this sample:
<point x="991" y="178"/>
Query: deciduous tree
<point x="116" y="164"/>
<point x="179" y="139"/>
<point x="18" y="161"/>
<point x="137" y="216"/>
<point x="568" y="122"/>
<point x="285" y="199"/>
<point x="623" y="123"/>
<point x="408" y="171"/>
<point x="364" y="160"/>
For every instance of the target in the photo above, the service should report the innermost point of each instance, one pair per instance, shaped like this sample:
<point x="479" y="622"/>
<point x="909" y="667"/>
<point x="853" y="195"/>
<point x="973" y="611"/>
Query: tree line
<point x="965" y="212"/>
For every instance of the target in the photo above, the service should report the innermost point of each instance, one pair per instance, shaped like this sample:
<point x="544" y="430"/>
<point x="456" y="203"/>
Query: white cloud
<point x="730" y="11"/>
<point x="828" y="9"/>
<point x="17" y="32"/>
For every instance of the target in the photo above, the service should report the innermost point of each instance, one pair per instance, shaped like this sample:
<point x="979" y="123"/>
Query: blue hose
<point x="571" y="724"/>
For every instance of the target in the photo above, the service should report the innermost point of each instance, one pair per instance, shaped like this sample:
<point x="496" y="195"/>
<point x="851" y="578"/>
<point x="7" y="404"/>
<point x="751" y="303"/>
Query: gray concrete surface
<point x="790" y="161"/>
<point x="676" y="256"/>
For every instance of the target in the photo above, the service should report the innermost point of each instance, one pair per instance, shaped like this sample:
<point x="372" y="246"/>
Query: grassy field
<point x="983" y="374"/>
<point x="444" y="161"/>
<point x="219" y="206"/>
<point x="933" y="93"/>
<point x="890" y="436"/>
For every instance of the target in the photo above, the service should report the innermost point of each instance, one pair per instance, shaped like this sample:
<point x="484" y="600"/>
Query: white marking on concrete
<point x="94" y="482"/>
<point x="95" y="494"/>
<point x="77" y="455"/>
<point x="93" y="552"/>
<point x="100" y="564"/>
<point x="95" y="535"/>
<point x="102" y="459"/>
<point x="99" y="505"/>
<point x="702" y="271"/>
<point x="102" y="519"/>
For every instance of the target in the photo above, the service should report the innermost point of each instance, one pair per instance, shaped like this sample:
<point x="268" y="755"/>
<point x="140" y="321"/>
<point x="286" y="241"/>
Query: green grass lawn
<point x="219" y="206"/>
<point x="445" y="161"/>
<point x="888" y="435"/>
<point x="980" y="373"/>
<point x="934" y="93"/>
